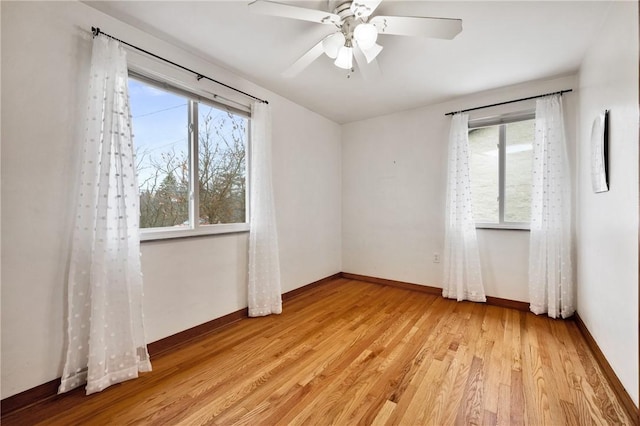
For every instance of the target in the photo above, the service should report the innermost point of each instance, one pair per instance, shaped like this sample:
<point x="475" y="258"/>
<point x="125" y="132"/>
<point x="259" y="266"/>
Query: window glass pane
<point x="222" y="138"/>
<point x="517" y="183"/>
<point x="160" y="127"/>
<point x="483" y="144"/>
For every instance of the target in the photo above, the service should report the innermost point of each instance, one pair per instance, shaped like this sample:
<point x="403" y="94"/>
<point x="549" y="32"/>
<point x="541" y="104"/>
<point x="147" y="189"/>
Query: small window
<point x="501" y="161"/>
<point x="191" y="160"/>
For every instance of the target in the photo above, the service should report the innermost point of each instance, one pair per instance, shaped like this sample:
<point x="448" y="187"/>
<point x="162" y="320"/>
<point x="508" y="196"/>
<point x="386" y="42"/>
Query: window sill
<point x="504" y="226"/>
<point x="153" y="234"/>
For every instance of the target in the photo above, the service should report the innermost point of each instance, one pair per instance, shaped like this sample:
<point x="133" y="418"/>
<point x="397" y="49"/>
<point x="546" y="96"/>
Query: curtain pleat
<point x="461" y="258"/>
<point x="551" y="288"/>
<point x="264" y="292"/>
<point x="105" y="332"/>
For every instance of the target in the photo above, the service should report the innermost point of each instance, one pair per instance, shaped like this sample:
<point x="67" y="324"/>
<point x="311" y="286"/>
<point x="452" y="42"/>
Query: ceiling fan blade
<point x="418" y="26"/>
<point x="287" y="11"/>
<point x="369" y="69"/>
<point x="364" y="8"/>
<point x="371" y="53"/>
<point x="305" y="60"/>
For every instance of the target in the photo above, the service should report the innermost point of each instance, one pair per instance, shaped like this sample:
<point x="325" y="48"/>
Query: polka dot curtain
<point x="105" y="333"/>
<point x="264" y="261"/>
<point x="461" y="258"/>
<point x="551" y="288"/>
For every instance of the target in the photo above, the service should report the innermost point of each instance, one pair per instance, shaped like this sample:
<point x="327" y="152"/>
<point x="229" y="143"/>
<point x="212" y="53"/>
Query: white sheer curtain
<point x="550" y="272"/>
<point x="461" y="259"/>
<point x="105" y="333"/>
<point x="264" y="260"/>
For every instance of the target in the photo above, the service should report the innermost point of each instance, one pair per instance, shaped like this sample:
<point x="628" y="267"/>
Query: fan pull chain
<point x="350" y="72"/>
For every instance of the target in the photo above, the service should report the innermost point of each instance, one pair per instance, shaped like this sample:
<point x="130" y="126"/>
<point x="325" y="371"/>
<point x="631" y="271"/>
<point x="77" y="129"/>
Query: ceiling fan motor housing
<point x="343" y="9"/>
<point x="349" y="20"/>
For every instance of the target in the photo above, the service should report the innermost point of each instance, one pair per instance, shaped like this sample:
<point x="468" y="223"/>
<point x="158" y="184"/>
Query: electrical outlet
<point x="436" y="257"/>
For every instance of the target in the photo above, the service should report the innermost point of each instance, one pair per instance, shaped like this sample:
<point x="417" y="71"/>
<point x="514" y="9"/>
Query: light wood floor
<point x="350" y="352"/>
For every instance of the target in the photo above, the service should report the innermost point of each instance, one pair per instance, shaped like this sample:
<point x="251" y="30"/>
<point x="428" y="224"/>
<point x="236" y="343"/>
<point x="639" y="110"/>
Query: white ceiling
<point x="502" y="43"/>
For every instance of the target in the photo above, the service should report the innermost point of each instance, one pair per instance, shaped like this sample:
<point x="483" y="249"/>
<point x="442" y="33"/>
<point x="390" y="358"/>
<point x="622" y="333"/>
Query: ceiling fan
<point x="357" y="31"/>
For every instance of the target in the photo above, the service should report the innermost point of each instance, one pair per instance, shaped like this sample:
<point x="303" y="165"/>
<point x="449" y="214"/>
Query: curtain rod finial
<point x="95" y="31"/>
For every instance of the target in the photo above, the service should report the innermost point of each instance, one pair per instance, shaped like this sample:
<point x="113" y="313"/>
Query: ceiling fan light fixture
<point x="371" y="53"/>
<point x="366" y="35"/>
<point x="344" y="59"/>
<point x="356" y="30"/>
<point x="332" y="44"/>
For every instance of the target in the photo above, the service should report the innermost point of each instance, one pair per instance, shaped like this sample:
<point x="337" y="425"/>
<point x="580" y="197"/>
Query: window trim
<point x="501" y="121"/>
<point x="195" y="229"/>
<point x="153" y="234"/>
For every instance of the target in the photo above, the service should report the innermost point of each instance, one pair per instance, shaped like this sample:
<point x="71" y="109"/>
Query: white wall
<point x="393" y="192"/>
<point x="45" y="57"/>
<point x="607" y="230"/>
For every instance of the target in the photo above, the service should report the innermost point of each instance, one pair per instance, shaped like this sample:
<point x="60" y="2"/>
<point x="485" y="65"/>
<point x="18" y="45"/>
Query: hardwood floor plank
<point x="536" y="400"/>
<point x="350" y="352"/>
<point x="516" y="402"/>
<point x="470" y="411"/>
<point x="555" y="388"/>
<point x="419" y="398"/>
<point x="569" y="414"/>
<point x="509" y="321"/>
<point x="489" y="418"/>
<point x="452" y="392"/>
<point x="493" y="321"/>
<point x="382" y="416"/>
<point x="503" y="416"/>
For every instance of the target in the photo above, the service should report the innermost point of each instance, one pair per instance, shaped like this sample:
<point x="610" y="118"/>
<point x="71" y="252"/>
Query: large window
<point x="501" y="161"/>
<point x="191" y="159"/>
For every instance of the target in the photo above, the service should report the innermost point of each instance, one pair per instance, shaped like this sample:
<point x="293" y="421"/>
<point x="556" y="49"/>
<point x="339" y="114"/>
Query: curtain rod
<point x="96" y="32"/>
<point x="510" y="102"/>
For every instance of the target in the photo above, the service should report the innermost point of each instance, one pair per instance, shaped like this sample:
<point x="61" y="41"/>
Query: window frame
<point x="502" y="121"/>
<point x="195" y="98"/>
